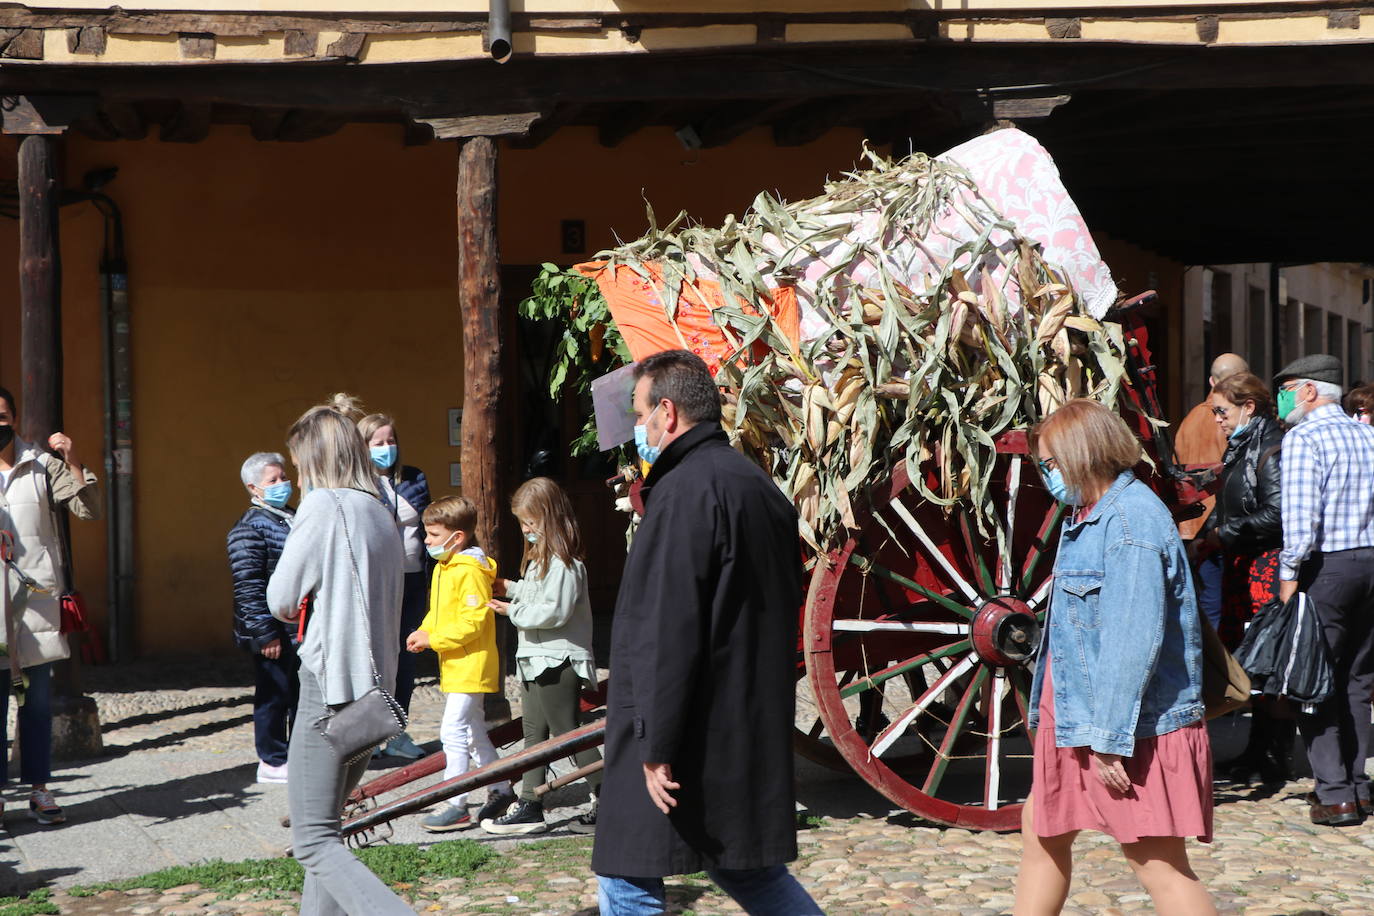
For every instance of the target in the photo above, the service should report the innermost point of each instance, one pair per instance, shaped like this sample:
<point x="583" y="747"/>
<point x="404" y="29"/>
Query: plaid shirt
<point x="1328" y="487"/>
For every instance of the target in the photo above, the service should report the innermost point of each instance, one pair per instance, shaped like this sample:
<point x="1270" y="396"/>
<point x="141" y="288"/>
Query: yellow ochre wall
<point x="264" y="276"/>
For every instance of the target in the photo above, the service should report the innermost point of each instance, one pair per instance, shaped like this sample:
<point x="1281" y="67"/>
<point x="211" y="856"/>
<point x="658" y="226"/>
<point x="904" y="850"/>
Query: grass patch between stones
<point x="396" y="865"/>
<point x="38" y="903"/>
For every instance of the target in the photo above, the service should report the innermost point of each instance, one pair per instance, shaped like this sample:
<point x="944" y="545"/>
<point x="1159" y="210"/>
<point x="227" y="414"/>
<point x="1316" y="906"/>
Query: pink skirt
<point x="1171" y="785"/>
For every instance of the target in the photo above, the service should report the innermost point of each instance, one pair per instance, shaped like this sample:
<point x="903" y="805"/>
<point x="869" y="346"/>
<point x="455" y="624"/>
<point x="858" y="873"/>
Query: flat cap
<point x="1319" y="367"/>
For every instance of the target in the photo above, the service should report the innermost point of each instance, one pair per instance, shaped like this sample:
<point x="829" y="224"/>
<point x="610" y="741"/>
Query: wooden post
<point x="40" y="291"/>
<point x="76" y="722"/>
<point x="479" y="303"/>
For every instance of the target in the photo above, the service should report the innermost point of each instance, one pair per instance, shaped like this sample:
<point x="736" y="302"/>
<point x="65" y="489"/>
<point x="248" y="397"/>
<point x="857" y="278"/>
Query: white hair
<point x="1327" y="390"/>
<point x="252" y="469"/>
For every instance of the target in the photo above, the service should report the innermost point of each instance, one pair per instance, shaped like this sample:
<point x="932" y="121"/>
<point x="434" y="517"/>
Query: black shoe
<point x="526" y="817"/>
<point x="585" y="823"/>
<point x="496" y="805"/>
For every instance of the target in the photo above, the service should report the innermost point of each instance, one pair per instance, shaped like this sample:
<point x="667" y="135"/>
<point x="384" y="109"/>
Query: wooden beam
<point x="725" y="126"/>
<point x="197" y="45"/>
<point x="547" y="126"/>
<point x="627" y="120"/>
<point x="515" y="124"/>
<point x="300" y="125"/>
<point x="348" y="45"/>
<point x="265" y="123"/>
<point x="301" y="43"/>
<point x="813" y="121"/>
<point x="190" y="123"/>
<point x="21" y="44"/>
<point x="479" y="303"/>
<point x="40" y="289"/>
<point x="86" y="40"/>
<point x="124" y="118"/>
<point x="1027" y="109"/>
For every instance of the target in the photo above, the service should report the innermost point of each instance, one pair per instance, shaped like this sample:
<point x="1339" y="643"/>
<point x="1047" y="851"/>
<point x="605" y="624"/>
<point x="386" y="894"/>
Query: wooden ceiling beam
<point x="547" y="126"/>
<point x="300" y="125"/>
<point x="625" y="121"/>
<point x="189" y="123"/>
<point x="724" y="126"/>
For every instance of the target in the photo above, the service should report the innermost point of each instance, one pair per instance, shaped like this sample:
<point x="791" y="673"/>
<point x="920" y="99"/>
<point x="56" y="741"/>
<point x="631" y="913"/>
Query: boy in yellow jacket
<point x="461" y="627"/>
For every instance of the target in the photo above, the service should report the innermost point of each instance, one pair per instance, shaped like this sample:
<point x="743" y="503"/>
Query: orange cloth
<point x="637" y="308"/>
<point x="1199" y="441"/>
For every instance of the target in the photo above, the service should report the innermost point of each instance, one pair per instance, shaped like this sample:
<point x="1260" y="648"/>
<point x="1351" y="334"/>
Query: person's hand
<point x="1112" y="772"/>
<point x="1287" y="589"/>
<point x="272" y="649"/>
<point x="658" y="778"/>
<point x="62" y="445"/>
<point x="500" y="607"/>
<point x="499" y="587"/>
<point x="417" y="641"/>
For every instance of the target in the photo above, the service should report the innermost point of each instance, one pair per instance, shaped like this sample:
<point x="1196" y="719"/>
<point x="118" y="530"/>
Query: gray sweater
<point x="315" y="561"/>
<point x="554" y="617"/>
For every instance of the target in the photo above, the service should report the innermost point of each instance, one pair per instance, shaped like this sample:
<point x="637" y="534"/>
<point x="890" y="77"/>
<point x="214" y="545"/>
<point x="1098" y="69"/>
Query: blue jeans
<point x="35" y="727"/>
<point x="275" y="694"/>
<point x="414" y="603"/>
<point x="770" y="891"/>
<point x="1209" y="595"/>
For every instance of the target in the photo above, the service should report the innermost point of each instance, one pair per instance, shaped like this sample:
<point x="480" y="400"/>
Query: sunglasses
<point x="1048" y="464"/>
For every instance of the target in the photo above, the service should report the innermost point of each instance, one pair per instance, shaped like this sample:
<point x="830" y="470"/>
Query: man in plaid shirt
<point x="1328" y="552"/>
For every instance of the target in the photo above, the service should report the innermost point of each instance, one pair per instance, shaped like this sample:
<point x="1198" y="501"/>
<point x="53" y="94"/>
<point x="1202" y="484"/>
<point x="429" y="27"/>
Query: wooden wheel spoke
<point x="901" y="626"/>
<point x="911" y="664"/>
<point x="1009" y="535"/>
<point x="1037" y="549"/>
<point x="934" y="552"/>
<point x="980" y="568"/>
<point x="888" y="736"/>
<point x="956" y="726"/>
<point x="1040" y="596"/>
<point x="994" y="698"/>
<point x="816" y="728"/>
<point x="868" y="566"/>
<point x="1021" y="685"/>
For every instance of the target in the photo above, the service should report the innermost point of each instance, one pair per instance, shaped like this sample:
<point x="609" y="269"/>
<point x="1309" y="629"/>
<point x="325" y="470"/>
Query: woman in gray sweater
<point x="342" y="531"/>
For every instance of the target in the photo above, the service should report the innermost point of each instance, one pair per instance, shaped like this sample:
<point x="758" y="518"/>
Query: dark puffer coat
<point x="1247" y="516"/>
<point x="703" y="662"/>
<point x="255" y="545"/>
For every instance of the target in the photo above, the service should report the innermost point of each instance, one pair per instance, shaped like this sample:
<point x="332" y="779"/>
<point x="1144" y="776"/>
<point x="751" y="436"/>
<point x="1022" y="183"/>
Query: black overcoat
<point x="703" y="669"/>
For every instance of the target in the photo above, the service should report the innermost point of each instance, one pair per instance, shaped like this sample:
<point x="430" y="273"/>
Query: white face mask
<point x="441" y="551"/>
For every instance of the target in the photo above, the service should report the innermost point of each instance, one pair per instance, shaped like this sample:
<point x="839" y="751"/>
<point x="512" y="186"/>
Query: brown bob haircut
<point x="456" y="513"/>
<point x="1359" y="399"/>
<point x="1246" y="386"/>
<point x="1090" y="443"/>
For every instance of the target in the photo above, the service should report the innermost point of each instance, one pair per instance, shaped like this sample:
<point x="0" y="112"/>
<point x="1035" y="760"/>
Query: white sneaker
<point x="269" y="773"/>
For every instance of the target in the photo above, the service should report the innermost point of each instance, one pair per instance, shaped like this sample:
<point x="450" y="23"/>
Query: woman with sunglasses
<point x="1247" y="527"/>
<point x="1120" y="746"/>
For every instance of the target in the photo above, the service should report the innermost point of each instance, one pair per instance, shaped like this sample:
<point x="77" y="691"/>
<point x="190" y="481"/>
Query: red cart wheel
<point x="918" y="643"/>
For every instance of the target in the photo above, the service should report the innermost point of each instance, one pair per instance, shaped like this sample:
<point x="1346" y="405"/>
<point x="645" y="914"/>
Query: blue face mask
<point x="532" y="537"/>
<point x="277" y="494"/>
<point x="1054" y="482"/>
<point x="1239" y="429"/>
<point x="384" y="456"/>
<point x="649" y="453"/>
<point x="440" y="552"/>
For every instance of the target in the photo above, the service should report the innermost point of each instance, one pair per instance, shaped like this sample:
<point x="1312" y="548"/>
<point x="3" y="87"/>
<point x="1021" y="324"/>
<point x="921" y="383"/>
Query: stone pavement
<point x="176" y="787"/>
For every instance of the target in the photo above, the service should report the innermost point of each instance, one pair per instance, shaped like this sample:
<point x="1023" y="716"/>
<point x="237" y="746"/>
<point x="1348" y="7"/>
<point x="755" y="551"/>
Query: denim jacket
<point x="1122" y="632"/>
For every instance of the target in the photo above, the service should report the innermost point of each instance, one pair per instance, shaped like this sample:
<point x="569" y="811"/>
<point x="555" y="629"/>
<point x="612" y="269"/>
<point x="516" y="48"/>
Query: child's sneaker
<point x="447" y="818"/>
<point x="497" y="804"/>
<point x="526" y="817"/>
<point x="404" y="747"/>
<point x="44" y="809"/>
<point x="271" y="774"/>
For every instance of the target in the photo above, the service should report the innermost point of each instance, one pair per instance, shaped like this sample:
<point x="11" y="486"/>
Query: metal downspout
<point x="498" y="31"/>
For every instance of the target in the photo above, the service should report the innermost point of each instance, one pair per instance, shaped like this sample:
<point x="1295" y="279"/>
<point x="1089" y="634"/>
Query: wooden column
<point x="40" y="290"/>
<point x="484" y="460"/>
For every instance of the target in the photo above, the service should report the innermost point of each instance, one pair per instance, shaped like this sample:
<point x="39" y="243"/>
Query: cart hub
<point x="1005" y="632"/>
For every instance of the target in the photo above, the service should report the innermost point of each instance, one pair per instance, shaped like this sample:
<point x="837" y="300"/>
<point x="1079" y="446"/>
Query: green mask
<point x="1288" y="400"/>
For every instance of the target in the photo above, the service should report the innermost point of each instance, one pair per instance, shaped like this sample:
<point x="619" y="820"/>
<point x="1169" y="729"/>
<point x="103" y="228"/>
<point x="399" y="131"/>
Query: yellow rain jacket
<point x="461" y="625"/>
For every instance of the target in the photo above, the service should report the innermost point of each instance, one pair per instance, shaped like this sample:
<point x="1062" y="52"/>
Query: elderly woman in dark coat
<point x="1247" y="527"/>
<point x="699" y="719"/>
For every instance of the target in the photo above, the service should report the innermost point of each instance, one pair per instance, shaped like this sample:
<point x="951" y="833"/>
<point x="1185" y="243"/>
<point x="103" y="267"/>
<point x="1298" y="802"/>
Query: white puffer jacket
<point x="26" y="509"/>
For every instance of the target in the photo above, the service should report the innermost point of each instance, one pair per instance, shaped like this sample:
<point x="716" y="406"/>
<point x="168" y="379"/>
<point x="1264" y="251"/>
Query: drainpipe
<point x="498" y="31"/>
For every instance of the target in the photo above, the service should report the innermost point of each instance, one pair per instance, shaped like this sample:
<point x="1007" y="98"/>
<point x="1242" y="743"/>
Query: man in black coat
<point x="703" y="659"/>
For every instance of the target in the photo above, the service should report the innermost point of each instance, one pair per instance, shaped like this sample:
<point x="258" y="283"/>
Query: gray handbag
<point x="353" y="730"/>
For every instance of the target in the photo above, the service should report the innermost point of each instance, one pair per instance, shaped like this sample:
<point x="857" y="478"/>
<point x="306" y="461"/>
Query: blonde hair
<point x="1090" y="443"/>
<point x="327" y="450"/>
<point x="546" y="506"/>
<point x="373" y="422"/>
<point x="456" y="513"/>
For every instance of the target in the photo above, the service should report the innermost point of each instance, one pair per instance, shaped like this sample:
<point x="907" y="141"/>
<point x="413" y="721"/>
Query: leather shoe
<point x="1346" y="814"/>
<point x="1366" y="807"/>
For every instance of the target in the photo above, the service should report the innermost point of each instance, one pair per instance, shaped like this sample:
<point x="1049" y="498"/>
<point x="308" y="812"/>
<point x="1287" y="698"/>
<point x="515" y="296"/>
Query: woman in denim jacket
<point x="1120" y="745"/>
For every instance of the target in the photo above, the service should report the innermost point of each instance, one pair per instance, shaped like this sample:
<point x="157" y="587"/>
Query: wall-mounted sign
<point x="455" y="426"/>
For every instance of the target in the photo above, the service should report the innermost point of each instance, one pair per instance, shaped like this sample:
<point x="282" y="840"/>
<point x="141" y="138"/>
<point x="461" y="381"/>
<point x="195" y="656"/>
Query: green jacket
<point x="554" y="617"/>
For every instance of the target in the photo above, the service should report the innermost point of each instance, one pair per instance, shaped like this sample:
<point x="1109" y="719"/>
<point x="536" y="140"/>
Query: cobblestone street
<point x="858" y="856"/>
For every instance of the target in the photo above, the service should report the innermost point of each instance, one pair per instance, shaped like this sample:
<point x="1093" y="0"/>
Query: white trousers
<point x="463" y="734"/>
